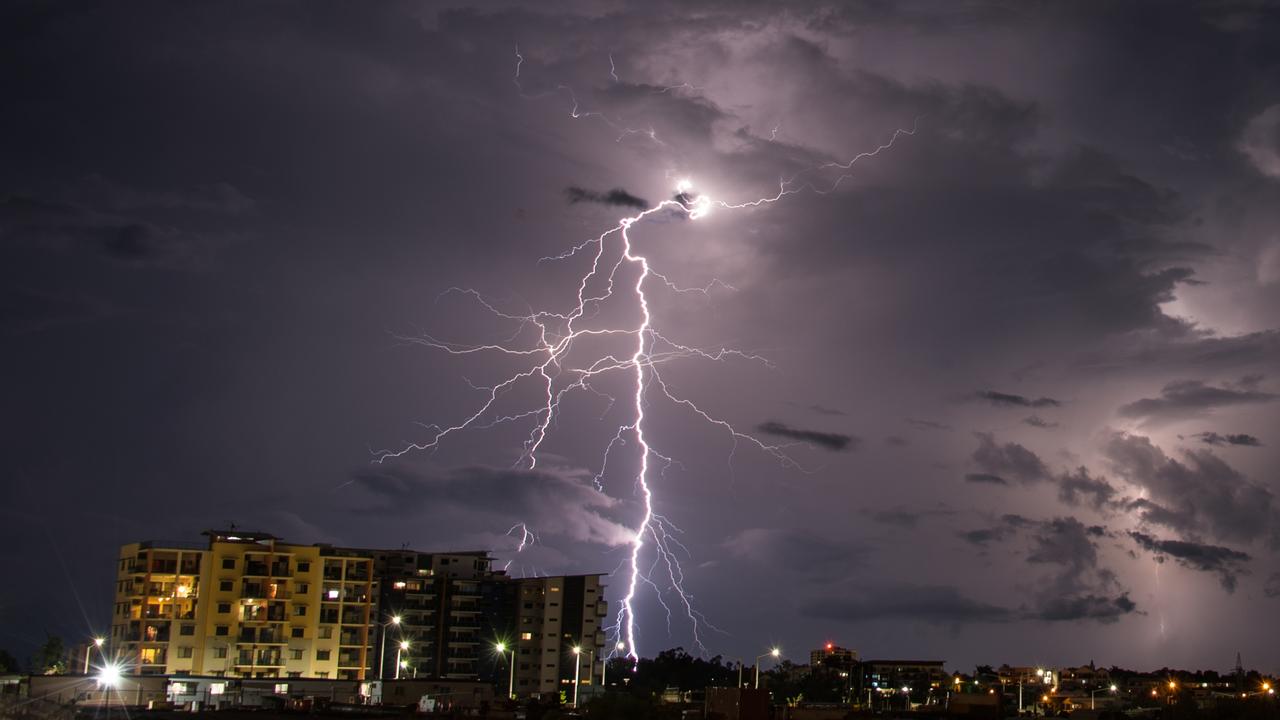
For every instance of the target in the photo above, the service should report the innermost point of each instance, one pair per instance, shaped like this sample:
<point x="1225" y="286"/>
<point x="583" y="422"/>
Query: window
<point x="322" y="655"/>
<point x="555" y="589"/>
<point x="228" y="563"/>
<point x="224" y="608"/>
<point x="184" y="651"/>
<point x="299" y="610"/>
<point x="226" y="585"/>
<point x="323" y="674"/>
<point x="187" y="630"/>
<point x="555" y="604"/>
<point x="326" y="632"/>
<point x="301" y="588"/>
<point x="526" y="636"/>
<point x="296" y="632"/>
<point x="295" y="654"/>
<point x="282" y="688"/>
<point x="221" y="629"/>
<point x="295" y="674"/>
<point x="217" y="688"/>
<point x="220" y="652"/>
<point x="304" y="567"/>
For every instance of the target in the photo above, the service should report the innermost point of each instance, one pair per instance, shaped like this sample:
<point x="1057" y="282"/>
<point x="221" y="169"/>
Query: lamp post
<point x="382" y="655"/>
<point x="775" y="652"/>
<point x="1095" y="692"/>
<point x="577" y="666"/>
<point x="1021" y="679"/>
<point x="97" y="643"/>
<point x="404" y="645"/>
<point x="511" y="683"/>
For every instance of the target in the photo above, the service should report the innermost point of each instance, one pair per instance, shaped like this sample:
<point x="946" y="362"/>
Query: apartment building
<point x="250" y="605"/>
<point x="554" y="616"/>
<point x="245" y="605"/>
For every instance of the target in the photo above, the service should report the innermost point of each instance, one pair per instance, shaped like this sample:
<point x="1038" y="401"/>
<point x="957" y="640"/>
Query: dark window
<point x="299" y="610"/>
<point x="226" y="585"/>
<point x="297" y="632"/>
<point x="304" y="567"/>
<point x="224" y="608"/>
<point x="322" y="654"/>
<point x="220" y="652"/>
<point x="187" y="630"/>
<point x="221" y="630"/>
<point x="228" y="563"/>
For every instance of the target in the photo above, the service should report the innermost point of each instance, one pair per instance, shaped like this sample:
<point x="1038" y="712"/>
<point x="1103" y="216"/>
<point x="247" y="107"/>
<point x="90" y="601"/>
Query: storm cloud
<point x="834" y="442"/>
<point x="616" y="196"/>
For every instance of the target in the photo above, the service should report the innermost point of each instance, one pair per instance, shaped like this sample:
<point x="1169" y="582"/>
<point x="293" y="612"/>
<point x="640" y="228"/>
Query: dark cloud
<point x="1080" y="487"/>
<point x="1103" y="609"/>
<point x="835" y="442"/>
<point x="1223" y="561"/>
<point x="927" y="424"/>
<point x="1191" y="398"/>
<point x="822" y="410"/>
<point x="903" y="517"/>
<point x="30" y="222"/>
<point x="559" y="502"/>
<point x="985" y="536"/>
<point x="985" y="478"/>
<point x="1272" y="587"/>
<point x="1213" y="438"/>
<point x="933" y="604"/>
<point x="1000" y="399"/>
<point x="803" y="552"/>
<point x="1038" y="422"/>
<point x="896" y="440"/>
<point x="617" y="197"/>
<point x="1200" y="493"/>
<point x="1010" y="460"/>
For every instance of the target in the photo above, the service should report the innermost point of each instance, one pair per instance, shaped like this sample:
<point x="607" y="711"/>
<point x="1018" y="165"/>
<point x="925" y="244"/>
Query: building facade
<point x="249" y="605"/>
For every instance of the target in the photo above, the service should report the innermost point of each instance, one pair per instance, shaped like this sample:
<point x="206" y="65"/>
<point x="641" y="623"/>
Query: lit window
<point x="526" y="636"/>
<point x="217" y="688"/>
<point x="282" y="688"/>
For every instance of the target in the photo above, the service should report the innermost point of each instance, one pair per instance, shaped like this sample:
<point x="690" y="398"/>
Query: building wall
<point x="249" y="605"/>
<point x="245" y="607"/>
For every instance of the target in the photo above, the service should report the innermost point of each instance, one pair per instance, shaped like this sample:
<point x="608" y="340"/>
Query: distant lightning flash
<point x="554" y="374"/>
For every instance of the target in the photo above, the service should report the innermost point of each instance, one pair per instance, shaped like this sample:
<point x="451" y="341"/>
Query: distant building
<point x="833" y="657"/>
<point x="250" y="605"/>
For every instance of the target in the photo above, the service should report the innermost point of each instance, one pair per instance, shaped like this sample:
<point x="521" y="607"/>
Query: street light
<point x="511" y="683"/>
<point x="577" y="666"/>
<point x="97" y="643"/>
<point x="404" y="645"/>
<point x="382" y="655"/>
<point x="775" y="653"/>
<point x="1095" y="692"/>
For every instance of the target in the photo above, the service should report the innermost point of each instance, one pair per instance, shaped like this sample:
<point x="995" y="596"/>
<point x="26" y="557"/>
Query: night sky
<point x="1021" y="368"/>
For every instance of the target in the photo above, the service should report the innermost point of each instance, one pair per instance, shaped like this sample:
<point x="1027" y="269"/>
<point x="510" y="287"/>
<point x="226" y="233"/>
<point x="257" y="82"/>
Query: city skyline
<point x="958" y="327"/>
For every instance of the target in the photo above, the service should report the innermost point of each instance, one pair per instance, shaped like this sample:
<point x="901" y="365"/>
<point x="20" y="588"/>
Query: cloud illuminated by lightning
<point x="554" y="374"/>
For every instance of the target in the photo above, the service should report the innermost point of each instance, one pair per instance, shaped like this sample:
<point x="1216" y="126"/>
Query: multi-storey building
<point x="555" y="615"/>
<point x="251" y="605"/>
<point x="444" y="613"/>
<point x="247" y="605"/>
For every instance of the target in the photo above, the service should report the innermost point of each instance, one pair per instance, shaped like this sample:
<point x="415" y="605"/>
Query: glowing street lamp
<point x="577" y="666"/>
<point x="97" y="643"/>
<point x="511" y="683"/>
<point x="402" y="647"/>
<point x="382" y="655"/>
<point x="774" y="653"/>
<point x="109" y="675"/>
<point x="1095" y="692"/>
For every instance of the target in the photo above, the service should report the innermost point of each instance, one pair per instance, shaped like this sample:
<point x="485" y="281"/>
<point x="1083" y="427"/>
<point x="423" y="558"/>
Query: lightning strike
<point x="554" y="374"/>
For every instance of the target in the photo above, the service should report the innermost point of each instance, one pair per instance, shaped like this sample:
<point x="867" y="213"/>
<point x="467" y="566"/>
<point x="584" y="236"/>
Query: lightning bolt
<point x="554" y="374"/>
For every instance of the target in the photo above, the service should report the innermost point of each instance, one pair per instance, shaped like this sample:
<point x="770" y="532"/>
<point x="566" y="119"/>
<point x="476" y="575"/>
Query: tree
<point x="51" y="658"/>
<point x="8" y="663"/>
